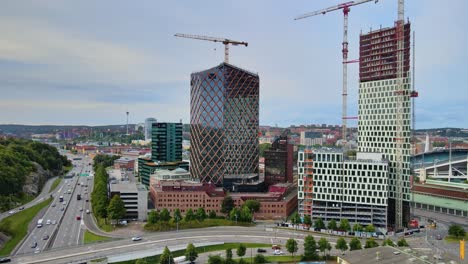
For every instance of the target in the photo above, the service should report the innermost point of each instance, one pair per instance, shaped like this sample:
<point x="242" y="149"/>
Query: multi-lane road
<point x="60" y="227"/>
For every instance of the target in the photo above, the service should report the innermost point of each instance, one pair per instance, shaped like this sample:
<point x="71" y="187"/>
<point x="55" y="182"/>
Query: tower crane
<point x="346" y="8"/>
<point x="225" y="41"/>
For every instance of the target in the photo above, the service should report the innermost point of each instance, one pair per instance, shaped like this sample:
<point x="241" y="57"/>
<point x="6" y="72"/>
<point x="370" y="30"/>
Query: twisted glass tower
<point x="224" y="117"/>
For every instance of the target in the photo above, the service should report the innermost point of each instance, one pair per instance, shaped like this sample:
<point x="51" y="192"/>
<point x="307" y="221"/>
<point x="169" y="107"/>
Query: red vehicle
<point x="413" y="223"/>
<point x="78" y="217"/>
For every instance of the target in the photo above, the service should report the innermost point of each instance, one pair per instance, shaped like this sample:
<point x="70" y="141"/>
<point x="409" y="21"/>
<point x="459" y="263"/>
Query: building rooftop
<point x="127" y="187"/>
<point x="440" y="202"/>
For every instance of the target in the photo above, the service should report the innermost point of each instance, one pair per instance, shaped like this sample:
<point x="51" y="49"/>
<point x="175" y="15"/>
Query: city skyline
<point x="67" y="63"/>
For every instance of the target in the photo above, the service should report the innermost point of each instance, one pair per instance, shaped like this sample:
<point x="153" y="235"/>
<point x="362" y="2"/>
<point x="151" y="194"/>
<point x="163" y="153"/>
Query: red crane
<point x="346" y="8"/>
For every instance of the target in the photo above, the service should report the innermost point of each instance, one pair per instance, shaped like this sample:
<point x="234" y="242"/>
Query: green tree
<point x="323" y="245"/>
<point x="166" y="257"/>
<point x="153" y="217"/>
<point x="116" y="209"/>
<point x="307" y="220"/>
<point x="141" y="261"/>
<point x="253" y="205"/>
<point x="263" y="147"/>
<point x="310" y="248"/>
<point x="370" y="243"/>
<point x="245" y="215"/>
<point x="201" y="214"/>
<point x="227" y="205"/>
<point x="229" y="256"/>
<point x="176" y="215"/>
<point x="357" y="228"/>
<point x="341" y="245"/>
<point x="370" y="228"/>
<point x="189" y="215"/>
<point x="212" y="214"/>
<point x="191" y="253"/>
<point x="388" y="242"/>
<point x="296" y="219"/>
<point x="402" y="243"/>
<point x="259" y="259"/>
<point x="165" y="215"/>
<point x="319" y="224"/>
<point x="241" y="250"/>
<point x="291" y="246"/>
<point x="355" y="244"/>
<point x="344" y="225"/>
<point x="215" y="259"/>
<point x="234" y="215"/>
<point x="332" y="225"/>
<point x="456" y="231"/>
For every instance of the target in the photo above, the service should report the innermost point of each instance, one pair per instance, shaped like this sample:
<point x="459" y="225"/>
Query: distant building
<point x="279" y="162"/>
<point x="166" y="145"/>
<point x="148" y="127"/>
<point x="310" y="138"/>
<point x="224" y="116"/>
<point x="125" y="163"/>
<point x="135" y="198"/>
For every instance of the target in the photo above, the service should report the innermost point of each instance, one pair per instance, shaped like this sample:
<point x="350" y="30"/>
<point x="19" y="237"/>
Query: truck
<point x="40" y="222"/>
<point x="78" y="196"/>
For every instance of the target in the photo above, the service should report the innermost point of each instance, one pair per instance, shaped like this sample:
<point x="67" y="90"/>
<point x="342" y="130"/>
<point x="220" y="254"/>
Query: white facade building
<point x="148" y="125"/>
<point x="135" y="198"/>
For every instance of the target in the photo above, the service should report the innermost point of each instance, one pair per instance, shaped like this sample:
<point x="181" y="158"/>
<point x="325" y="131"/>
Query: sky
<point x="87" y="62"/>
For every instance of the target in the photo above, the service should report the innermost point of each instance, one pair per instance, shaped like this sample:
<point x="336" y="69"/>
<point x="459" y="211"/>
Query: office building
<point x="279" y="162"/>
<point x="148" y="127"/>
<point x="166" y="143"/>
<point x="224" y="116"/>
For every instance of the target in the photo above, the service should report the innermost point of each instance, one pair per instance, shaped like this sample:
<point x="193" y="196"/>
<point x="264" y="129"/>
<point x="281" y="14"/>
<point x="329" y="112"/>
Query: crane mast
<point x="346" y="8"/>
<point x="225" y="41"/>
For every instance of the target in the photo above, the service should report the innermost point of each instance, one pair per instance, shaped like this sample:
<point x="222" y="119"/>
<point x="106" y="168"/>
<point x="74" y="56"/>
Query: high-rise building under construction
<point x="378" y="108"/>
<point x="224" y="118"/>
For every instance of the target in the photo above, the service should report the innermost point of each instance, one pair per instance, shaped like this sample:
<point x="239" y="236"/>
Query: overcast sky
<point x="88" y="62"/>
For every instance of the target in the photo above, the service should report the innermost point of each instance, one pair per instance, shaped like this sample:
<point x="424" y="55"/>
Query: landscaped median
<point x="55" y="184"/>
<point x="90" y="237"/>
<point x="200" y="250"/>
<point x="16" y="226"/>
<point x="172" y="225"/>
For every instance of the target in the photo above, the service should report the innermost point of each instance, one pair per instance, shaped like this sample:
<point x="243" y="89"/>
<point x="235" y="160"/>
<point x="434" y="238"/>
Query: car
<point x="64" y="203"/>
<point x="45" y="237"/>
<point x="37" y="251"/>
<point x="136" y="238"/>
<point x="78" y="217"/>
<point x="61" y="209"/>
<point x="34" y="245"/>
<point x="439" y="237"/>
<point x="81" y="209"/>
<point x="21" y="208"/>
<point x="87" y="200"/>
<point x="261" y="250"/>
<point x="53" y="205"/>
<point x="5" y="260"/>
<point x="278" y="252"/>
<point x="12" y="212"/>
<point x="48" y="222"/>
<point x="87" y="211"/>
<point x="54" y="222"/>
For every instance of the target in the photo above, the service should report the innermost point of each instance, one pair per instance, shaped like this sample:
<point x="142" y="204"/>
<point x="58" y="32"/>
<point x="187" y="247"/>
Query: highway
<point x="257" y="234"/>
<point x="53" y="215"/>
<point x="70" y="230"/>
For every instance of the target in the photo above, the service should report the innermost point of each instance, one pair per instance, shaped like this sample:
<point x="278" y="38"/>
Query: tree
<point x="456" y="231"/>
<point x="263" y="147"/>
<point x="234" y="215"/>
<point x="201" y="214"/>
<point x="189" y="215"/>
<point x="344" y="225"/>
<point x="357" y="228"/>
<point x="227" y="205"/>
<point x="153" y="217"/>
<point x="310" y="248"/>
<point x="332" y="225"/>
<point x="370" y="228"/>
<point x="296" y="219"/>
<point x="212" y="214"/>
<point x="370" y="243"/>
<point x="307" y="220"/>
<point x="241" y="250"/>
<point x="323" y="245"/>
<point x="341" y="245"/>
<point x="355" y="244"/>
<point x="319" y="224"/>
<point x="291" y="246"/>
<point x="229" y="256"/>
<point x="176" y="215"/>
<point x="215" y="259"/>
<point x="245" y="215"/>
<point x="388" y="242"/>
<point x="166" y="257"/>
<point x="402" y="243"/>
<point x="141" y="261"/>
<point x="253" y="205"/>
<point x="116" y="209"/>
<point x="191" y="253"/>
<point x="165" y="216"/>
<point x="259" y="259"/>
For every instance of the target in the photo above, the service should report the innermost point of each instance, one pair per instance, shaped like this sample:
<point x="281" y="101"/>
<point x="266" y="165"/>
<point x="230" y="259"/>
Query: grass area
<point x="90" y="237"/>
<point x="178" y="253"/>
<point x="16" y="226"/>
<point x="452" y="239"/>
<point x="274" y="259"/>
<point x="55" y="184"/>
<point x="103" y="225"/>
<point x="66" y="169"/>
<point x="167" y="226"/>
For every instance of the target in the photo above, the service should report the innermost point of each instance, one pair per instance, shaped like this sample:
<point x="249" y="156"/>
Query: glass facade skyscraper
<point x="224" y="117"/>
<point x="166" y="143"/>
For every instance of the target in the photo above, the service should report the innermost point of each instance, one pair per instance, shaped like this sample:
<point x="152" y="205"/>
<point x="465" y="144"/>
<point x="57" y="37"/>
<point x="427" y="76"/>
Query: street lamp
<point x="177" y="222"/>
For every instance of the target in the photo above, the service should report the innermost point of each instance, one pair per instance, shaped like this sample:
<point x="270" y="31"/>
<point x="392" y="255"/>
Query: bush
<point x="402" y="243"/>
<point x="259" y="258"/>
<point x="456" y="231"/>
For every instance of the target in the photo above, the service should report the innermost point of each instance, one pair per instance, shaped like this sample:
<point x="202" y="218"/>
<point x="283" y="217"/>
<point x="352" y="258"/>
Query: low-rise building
<point x="135" y="198"/>
<point x="178" y="174"/>
<point x="124" y="163"/>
